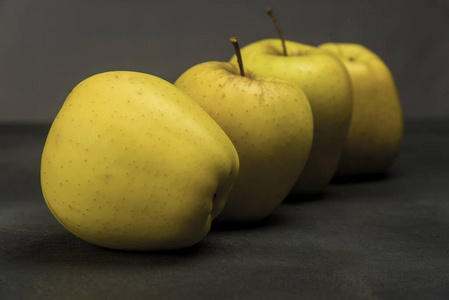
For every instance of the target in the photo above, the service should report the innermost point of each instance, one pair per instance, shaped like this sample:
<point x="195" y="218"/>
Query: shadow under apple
<point x="272" y="220"/>
<point x="361" y="178"/>
<point x="64" y="249"/>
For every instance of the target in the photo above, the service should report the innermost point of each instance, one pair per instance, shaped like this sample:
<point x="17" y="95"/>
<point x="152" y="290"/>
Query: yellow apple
<point x="270" y="123"/>
<point x="376" y="131"/>
<point x="131" y="162"/>
<point x="326" y="83"/>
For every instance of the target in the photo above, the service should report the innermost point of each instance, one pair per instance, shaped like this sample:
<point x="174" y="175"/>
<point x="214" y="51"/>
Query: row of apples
<point x="134" y="162"/>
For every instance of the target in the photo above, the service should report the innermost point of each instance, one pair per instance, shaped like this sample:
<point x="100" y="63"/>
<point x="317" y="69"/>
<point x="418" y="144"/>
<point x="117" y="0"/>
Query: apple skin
<point x="376" y="131"/>
<point x="271" y="125"/>
<point x="133" y="163"/>
<point x="327" y="85"/>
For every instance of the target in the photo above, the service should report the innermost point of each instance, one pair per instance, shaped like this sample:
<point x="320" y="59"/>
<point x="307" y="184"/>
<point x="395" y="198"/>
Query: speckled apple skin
<point x="270" y="123"/>
<point x="327" y="85"/>
<point x="377" y="127"/>
<point x="131" y="162"/>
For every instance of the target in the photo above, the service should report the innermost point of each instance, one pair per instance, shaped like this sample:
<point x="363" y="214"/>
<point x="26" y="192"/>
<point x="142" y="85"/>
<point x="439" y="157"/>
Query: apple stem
<point x="235" y="43"/>
<point x="270" y="12"/>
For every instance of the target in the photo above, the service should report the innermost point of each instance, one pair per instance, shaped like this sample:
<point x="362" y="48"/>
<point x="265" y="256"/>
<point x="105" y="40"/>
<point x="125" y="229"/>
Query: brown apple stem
<point x="235" y="43"/>
<point x="270" y="12"/>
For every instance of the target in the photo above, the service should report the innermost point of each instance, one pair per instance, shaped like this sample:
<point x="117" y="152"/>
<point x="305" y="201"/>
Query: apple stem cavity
<point x="235" y="43"/>
<point x="270" y="12"/>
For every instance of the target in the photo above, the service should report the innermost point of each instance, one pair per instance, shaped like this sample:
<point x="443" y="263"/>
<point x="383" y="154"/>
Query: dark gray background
<point x="47" y="47"/>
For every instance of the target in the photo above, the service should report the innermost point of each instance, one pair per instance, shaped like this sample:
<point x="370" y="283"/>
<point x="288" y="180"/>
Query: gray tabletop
<point x="382" y="237"/>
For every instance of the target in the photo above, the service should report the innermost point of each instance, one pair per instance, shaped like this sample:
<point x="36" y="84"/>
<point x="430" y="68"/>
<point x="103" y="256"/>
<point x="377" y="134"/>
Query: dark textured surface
<point x="371" y="238"/>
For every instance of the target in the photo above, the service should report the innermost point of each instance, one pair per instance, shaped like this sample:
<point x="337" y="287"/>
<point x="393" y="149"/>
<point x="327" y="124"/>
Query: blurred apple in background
<point x="376" y="131"/>
<point x="326" y="83"/>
